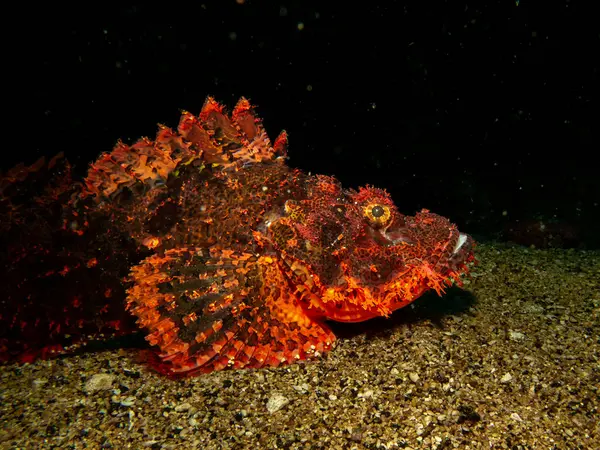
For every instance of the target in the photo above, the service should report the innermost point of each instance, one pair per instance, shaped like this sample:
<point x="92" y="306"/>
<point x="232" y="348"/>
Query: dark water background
<point x="485" y="112"/>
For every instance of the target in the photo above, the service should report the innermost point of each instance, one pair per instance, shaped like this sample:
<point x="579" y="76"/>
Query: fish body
<point x="209" y="242"/>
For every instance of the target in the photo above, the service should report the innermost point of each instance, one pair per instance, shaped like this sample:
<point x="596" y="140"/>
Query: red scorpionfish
<point x="222" y="254"/>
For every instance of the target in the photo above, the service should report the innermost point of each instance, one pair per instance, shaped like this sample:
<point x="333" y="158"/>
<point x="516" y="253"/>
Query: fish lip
<point x="463" y="238"/>
<point x="397" y="237"/>
<point x="462" y="249"/>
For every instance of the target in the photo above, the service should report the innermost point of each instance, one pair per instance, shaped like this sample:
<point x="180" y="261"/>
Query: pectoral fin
<point x="212" y="310"/>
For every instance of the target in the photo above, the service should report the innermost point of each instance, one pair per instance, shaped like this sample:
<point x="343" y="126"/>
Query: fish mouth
<point x="460" y="242"/>
<point x="461" y="253"/>
<point x="463" y="245"/>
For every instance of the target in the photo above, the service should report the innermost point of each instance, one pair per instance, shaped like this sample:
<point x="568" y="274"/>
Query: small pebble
<point x="506" y="378"/>
<point x="516" y="335"/>
<point x="183" y="407"/>
<point x="128" y="401"/>
<point x="276" y="402"/>
<point x="99" y="382"/>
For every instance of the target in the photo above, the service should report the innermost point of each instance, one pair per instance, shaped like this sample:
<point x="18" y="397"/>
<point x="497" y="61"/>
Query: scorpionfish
<point x="205" y="239"/>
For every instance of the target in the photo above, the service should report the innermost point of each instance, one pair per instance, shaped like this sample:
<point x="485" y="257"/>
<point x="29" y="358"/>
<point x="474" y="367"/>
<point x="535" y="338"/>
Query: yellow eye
<point x="378" y="215"/>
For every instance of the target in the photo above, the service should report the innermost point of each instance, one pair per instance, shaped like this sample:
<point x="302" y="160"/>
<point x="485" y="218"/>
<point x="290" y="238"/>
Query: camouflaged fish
<point x="224" y="255"/>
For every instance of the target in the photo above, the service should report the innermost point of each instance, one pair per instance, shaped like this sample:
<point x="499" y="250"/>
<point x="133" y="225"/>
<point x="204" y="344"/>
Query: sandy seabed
<point x="512" y="360"/>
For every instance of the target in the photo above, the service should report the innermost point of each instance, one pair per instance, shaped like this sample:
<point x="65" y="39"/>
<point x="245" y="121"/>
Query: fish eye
<point x="377" y="211"/>
<point x="377" y="215"/>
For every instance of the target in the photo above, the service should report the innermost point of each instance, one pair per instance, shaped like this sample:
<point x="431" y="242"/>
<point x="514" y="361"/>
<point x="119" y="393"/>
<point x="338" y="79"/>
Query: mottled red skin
<point x="226" y="257"/>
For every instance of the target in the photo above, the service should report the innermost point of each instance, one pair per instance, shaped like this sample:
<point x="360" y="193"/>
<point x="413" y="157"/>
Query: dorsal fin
<point x="212" y="136"/>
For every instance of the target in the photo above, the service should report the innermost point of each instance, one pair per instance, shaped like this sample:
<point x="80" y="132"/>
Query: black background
<point x="485" y="112"/>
